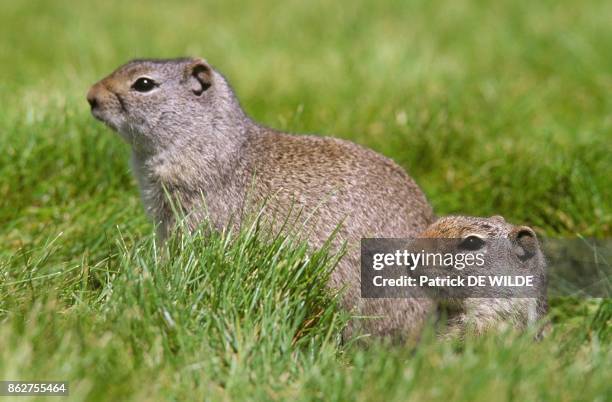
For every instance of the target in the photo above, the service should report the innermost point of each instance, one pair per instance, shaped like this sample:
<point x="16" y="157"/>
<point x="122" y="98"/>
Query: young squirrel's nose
<point x="92" y="98"/>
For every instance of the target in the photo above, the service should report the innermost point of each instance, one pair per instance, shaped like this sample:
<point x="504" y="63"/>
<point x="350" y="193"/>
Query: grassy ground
<point x="493" y="108"/>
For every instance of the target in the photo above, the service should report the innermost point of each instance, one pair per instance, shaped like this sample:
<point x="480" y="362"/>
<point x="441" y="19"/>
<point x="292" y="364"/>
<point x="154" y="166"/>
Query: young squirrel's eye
<point x="472" y="243"/>
<point x="144" y="84"/>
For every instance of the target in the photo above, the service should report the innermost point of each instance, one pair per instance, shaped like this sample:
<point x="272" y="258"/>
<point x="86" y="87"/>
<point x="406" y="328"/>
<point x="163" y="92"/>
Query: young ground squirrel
<point x="506" y="249"/>
<point x="193" y="143"/>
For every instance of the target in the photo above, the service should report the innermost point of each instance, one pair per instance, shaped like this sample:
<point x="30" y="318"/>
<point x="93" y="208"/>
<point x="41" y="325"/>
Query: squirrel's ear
<point x="199" y="76"/>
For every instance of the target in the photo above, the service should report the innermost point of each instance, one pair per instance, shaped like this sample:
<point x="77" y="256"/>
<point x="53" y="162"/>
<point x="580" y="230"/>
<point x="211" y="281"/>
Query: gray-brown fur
<point x="191" y="138"/>
<point x="507" y="248"/>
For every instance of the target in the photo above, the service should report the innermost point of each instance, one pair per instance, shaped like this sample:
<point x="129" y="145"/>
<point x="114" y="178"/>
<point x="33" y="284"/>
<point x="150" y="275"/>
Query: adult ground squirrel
<point x="193" y="143"/>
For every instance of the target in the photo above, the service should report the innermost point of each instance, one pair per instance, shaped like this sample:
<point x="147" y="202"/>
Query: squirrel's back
<point x="345" y="182"/>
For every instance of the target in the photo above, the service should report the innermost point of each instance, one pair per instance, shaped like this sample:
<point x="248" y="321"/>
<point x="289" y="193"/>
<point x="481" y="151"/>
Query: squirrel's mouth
<point x="101" y="115"/>
<point x="116" y="122"/>
<point x="96" y="112"/>
<point x="110" y="114"/>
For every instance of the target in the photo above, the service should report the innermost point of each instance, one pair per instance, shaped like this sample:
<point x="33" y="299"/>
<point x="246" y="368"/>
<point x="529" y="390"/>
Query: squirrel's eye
<point x="144" y="84"/>
<point x="471" y="243"/>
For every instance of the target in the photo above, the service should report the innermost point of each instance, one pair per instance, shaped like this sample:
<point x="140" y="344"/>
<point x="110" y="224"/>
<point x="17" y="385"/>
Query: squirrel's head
<point x="476" y="232"/>
<point x="506" y="249"/>
<point x="152" y="103"/>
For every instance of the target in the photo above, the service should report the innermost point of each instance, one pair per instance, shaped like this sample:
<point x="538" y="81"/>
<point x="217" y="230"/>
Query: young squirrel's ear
<point x="199" y="76"/>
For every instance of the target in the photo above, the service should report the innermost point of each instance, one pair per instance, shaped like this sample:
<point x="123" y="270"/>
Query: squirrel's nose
<point x="92" y="97"/>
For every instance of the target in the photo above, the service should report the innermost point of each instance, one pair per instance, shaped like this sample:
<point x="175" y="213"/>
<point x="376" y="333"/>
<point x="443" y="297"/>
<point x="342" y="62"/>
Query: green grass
<point x="499" y="108"/>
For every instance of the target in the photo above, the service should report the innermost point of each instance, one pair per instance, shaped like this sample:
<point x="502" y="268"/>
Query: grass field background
<point x="494" y="108"/>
